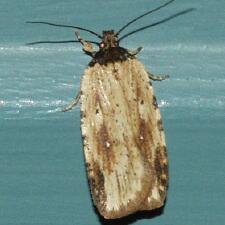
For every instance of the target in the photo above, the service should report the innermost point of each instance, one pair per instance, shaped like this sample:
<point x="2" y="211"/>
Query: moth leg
<point x="87" y="46"/>
<point x="72" y="104"/>
<point x="134" y="52"/>
<point x="158" y="77"/>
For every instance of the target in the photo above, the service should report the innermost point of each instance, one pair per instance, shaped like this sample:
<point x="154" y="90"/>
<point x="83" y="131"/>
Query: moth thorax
<point x="109" y="40"/>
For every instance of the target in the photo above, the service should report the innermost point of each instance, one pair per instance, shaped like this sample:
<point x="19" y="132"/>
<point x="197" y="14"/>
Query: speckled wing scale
<point x="123" y="138"/>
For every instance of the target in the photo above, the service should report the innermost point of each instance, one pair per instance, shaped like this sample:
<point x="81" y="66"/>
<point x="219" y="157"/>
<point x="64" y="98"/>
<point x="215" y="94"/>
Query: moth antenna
<point x="56" y="42"/>
<point x="157" y="23"/>
<point x="145" y="14"/>
<point x="69" y="26"/>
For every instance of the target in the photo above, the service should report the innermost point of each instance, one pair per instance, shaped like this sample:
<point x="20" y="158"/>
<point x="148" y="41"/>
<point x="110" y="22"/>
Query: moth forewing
<point x="123" y="145"/>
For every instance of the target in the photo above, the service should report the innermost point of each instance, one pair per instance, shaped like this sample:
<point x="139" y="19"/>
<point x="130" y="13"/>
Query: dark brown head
<point x="109" y="40"/>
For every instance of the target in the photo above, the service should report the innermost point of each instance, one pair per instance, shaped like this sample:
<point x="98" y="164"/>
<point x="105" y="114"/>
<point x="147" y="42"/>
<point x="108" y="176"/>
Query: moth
<point x="123" y="136"/>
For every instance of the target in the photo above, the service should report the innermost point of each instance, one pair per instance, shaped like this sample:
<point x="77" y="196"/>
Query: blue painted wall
<point x="42" y="172"/>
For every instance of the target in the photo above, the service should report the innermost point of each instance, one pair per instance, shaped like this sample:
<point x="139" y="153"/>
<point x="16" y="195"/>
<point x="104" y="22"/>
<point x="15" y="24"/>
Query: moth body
<point x="123" y="136"/>
<point x="124" y="143"/>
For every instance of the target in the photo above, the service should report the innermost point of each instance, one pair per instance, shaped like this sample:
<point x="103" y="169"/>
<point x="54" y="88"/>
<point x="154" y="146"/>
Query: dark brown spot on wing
<point x="105" y="148"/>
<point x="97" y="186"/>
<point x="116" y="74"/>
<point x="161" y="167"/>
<point x="154" y="102"/>
<point x="82" y="114"/>
<point x="144" y="139"/>
<point x="160" y="125"/>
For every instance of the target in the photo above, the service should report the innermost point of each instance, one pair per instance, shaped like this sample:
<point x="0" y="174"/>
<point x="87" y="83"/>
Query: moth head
<point x="109" y="40"/>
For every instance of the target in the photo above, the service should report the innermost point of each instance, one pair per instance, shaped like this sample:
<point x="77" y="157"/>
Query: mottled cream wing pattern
<point x="124" y="141"/>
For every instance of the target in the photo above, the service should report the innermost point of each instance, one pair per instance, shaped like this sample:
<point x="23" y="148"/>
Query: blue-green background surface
<point x="42" y="170"/>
